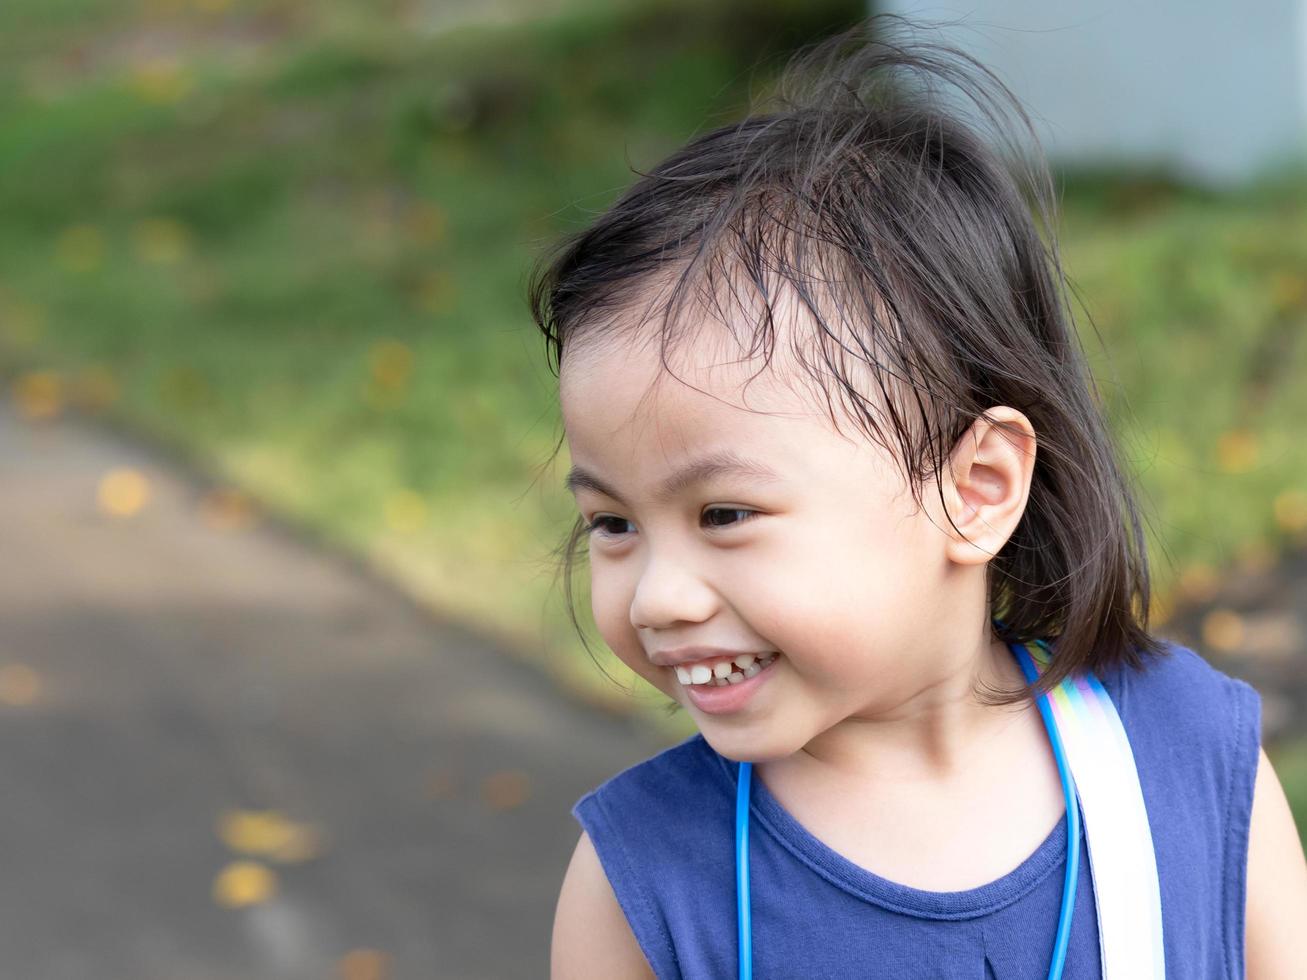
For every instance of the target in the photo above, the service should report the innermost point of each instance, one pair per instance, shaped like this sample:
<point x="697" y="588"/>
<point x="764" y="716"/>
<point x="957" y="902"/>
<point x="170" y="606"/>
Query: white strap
<point x="1123" y="864"/>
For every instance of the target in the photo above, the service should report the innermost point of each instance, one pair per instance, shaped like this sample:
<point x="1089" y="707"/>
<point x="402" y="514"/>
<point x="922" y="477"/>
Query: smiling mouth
<point x="724" y="672"/>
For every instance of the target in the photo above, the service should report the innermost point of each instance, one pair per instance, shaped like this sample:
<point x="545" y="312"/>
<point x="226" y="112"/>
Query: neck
<point x="939" y="735"/>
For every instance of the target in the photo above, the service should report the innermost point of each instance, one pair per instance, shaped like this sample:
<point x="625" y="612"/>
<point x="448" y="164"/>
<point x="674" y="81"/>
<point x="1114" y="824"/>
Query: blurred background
<point x="287" y="687"/>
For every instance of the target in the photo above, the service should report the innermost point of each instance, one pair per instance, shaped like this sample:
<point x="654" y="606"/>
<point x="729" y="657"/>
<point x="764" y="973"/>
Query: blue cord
<point x="1069" y="881"/>
<point x="1072" y="875"/>
<point x="742" y="869"/>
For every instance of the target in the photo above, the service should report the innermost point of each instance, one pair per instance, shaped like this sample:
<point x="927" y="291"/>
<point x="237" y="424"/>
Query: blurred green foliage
<point x="291" y="240"/>
<point x="1200" y="300"/>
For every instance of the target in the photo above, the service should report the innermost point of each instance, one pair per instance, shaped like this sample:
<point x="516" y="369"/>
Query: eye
<point x="600" y="526"/>
<point x="742" y="514"/>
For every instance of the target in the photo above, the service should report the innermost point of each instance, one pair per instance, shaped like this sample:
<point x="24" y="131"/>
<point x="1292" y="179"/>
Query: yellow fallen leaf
<point x="304" y="844"/>
<point x="1236" y="451"/>
<point x="243" y="883"/>
<point x="39" y="394"/>
<point x="253" y="831"/>
<point x="123" y="492"/>
<point x="364" y="964"/>
<point x="20" y="685"/>
<point x="268" y="833"/>
<point x="506" y="790"/>
<point x="227" y="509"/>
<point x="1223" y="630"/>
<point x="1199" y="583"/>
<point x="442" y="784"/>
<point x="1291" y="511"/>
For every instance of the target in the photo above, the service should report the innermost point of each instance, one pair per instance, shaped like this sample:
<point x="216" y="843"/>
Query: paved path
<point x="156" y="673"/>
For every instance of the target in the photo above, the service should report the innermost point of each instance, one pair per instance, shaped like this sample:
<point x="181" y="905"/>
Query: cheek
<point x="610" y="603"/>
<point x="839" y="592"/>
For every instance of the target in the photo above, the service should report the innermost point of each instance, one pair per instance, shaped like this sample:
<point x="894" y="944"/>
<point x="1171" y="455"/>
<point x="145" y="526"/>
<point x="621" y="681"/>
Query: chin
<point x="743" y="747"/>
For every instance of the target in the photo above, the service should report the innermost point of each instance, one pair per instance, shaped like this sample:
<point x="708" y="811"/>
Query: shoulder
<point x="591" y="935"/>
<point x="640" y="819"/>
<point x="1195" y="732"/>
<point x="1179" y="697"/>
<point x="635" y="852"/>
<point x="666" y="782"/>
<point x="1178" y="672"/>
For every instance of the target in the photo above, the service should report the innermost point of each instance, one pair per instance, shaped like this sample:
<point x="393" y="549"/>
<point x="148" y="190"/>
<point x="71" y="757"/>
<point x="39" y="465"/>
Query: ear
<point x="990" y="470"/>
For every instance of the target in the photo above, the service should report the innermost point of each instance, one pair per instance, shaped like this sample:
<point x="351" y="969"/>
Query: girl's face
<point x="808" y="546"/>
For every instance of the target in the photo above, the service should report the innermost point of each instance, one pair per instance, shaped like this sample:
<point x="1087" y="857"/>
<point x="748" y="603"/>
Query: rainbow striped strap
<point x="1122" y="863"/>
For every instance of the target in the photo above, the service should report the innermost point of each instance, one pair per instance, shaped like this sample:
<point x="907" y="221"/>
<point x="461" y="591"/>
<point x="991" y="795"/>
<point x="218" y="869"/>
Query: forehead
<point x="624" y="408"/>
<point x="622" y="383"/>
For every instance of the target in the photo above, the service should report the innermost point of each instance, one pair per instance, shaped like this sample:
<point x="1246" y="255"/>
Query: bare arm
<point x="591" y="935"/>
<point x="1276" y="915"/>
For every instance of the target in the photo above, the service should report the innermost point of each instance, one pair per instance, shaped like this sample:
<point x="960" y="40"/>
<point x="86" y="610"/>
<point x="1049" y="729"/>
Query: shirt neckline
<point x="766" y="811"/>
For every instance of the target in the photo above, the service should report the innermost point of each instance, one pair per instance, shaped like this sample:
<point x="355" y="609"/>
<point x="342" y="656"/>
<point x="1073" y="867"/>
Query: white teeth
<point x="726" y="672"/>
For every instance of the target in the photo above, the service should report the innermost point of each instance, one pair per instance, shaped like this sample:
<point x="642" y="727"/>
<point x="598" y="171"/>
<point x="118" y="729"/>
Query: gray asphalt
<point x="156" y="672"/>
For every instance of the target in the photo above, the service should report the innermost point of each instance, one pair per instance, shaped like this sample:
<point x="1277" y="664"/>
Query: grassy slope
<point x="295" y="246"/>
<point x="292" y="241"/>
<point x="1201" y="301"/>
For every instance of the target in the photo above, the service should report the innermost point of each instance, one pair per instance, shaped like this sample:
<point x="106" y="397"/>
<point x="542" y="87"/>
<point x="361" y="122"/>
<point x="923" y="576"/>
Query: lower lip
<point x="714" y="700"/>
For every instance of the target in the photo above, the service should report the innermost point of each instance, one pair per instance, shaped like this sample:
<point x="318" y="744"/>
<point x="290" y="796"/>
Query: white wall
<point x="1216" y="89"/>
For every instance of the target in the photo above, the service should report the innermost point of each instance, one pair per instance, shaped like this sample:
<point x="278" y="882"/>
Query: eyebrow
<point x="721" y="463"/>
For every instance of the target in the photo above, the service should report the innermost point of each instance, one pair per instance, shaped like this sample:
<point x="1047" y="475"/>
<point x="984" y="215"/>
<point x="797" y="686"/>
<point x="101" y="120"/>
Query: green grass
<point x="1201" y="301"/>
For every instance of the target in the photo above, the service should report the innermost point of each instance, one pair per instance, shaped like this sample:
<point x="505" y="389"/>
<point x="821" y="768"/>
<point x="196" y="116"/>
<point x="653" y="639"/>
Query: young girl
<point x="849" y="500"/>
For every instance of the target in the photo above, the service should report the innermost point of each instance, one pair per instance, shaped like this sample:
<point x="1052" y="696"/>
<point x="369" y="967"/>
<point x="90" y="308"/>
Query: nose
<point x="670" y="592"/>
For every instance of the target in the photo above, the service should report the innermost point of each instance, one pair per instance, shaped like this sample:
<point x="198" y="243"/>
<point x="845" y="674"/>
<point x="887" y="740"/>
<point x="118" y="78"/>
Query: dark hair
<point x="908" y="225"/>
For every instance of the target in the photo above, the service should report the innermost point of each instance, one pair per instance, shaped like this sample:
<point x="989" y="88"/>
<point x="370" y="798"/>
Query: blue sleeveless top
<point x="664" y="832"/>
